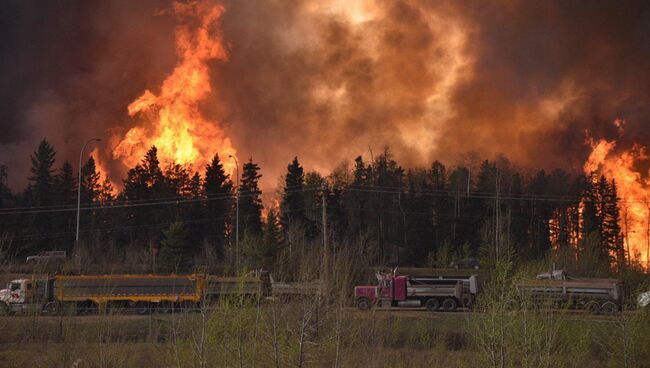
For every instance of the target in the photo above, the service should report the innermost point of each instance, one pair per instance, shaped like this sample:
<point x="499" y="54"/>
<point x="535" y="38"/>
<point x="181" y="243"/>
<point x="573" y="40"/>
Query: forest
<point x="173" y="218"/>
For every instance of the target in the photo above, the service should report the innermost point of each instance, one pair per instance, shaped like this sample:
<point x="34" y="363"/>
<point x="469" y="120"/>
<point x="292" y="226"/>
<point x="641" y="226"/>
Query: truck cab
<point x="21" y="295"/>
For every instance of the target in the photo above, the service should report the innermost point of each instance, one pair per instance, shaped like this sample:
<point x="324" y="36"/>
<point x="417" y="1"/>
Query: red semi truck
<point x="432" y="292"/>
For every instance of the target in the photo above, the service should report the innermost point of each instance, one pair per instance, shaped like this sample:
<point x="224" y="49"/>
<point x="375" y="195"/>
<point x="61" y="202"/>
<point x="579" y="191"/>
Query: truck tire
<point x="609" y="308"/>
<point x="163" y="307"/>
<point x="363" y="303"/>
<point x="432" y="304"/>
<point x="592" y="307"/>
<point x="449" y="305"/>
<point x="466" y="301"/>
<point x="52" y="308"/>
<point x="142" y="308"/>
<point x="4" y="309"/>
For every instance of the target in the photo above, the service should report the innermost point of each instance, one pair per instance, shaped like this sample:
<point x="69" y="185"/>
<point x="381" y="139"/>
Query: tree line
<point x="423" y="216"/>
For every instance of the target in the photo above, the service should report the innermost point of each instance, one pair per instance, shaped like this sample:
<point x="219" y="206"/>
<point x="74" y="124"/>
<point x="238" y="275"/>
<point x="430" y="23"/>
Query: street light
<point x="79" y="183"/>
<point x="237" y="212"/>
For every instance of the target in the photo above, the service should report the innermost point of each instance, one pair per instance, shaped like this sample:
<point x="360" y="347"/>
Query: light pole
<point x="81" y="154"/>
<point x="237" y="212"/>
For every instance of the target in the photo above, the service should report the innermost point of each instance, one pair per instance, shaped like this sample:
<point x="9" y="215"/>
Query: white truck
<point x="26" y="295"/>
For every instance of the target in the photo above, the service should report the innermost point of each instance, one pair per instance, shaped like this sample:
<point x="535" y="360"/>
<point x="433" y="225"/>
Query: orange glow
<point x="632" y="190"/>
<point x="172" y="120"/>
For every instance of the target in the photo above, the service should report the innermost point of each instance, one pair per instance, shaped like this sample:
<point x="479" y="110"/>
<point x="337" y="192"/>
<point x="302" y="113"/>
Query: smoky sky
<point x="328" y="82"/>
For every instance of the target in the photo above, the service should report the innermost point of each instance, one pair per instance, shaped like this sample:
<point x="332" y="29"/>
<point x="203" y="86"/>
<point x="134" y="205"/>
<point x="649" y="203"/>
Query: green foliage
<point x="175" y="251"/>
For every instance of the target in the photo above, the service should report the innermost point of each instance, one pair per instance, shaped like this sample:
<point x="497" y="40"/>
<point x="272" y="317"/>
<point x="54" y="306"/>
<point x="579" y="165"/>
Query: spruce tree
<point x="66" y="194"/>
<point x="612" y="234"/>
<point x="91" y="185"/>
<point x="218" y="192"/>
<point x="41" y="192"/>
<point x="271" y="242"/>
<point x="293" y="197"/>
<point x="250" y="202"/>
<point x="174" y="254"/>
<point x="42" y="174"/>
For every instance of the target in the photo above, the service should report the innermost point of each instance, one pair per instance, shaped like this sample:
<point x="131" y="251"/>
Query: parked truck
<point x="591" y="294"/>
<point x="142" y="293"/>
<point x="432" y="292"/>
<point x="139" y="293"/>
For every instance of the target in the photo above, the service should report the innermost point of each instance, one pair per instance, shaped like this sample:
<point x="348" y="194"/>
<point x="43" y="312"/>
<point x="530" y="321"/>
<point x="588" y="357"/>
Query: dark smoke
<point x="304" y="80"/>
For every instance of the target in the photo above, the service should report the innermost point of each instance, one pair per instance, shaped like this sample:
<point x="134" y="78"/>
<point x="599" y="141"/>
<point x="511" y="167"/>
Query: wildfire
<point x="172" y="120"/>
<point x="632" y="188"/>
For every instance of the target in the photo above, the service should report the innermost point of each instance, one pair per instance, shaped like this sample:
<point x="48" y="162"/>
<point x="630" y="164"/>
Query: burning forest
<point x="275" y="151"/>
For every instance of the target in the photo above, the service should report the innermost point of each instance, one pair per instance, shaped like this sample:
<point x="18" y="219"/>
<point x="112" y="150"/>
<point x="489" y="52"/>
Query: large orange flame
<point x="172" y="120"/>
<point x="633" y="189"/>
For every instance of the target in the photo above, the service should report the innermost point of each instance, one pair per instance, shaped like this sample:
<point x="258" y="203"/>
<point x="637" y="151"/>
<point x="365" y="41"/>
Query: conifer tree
<point x="42" y="174"/>
<point x="293" y="198"/>
<point x="174" y="254"/>
<point x="66" y="194"/>
<point x="271" y="242"/>
<point x="250" y="202"/>
<point x="5" y="192"/>
<point x="91" y="185"/>
<point x="218" y="192"/>
<point x="41" y="192"/>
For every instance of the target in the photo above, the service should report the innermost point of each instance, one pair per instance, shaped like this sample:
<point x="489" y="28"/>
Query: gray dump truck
<point x="591" y="294"/>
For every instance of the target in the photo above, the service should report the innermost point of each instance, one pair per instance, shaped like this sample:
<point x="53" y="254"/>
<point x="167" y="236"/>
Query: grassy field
<point x="299" y="334"/>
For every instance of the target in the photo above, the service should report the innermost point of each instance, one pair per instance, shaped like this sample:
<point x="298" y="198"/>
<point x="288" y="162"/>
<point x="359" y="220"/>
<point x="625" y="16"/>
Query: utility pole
<point x="81" y="154"/>
<point x="237" y="212"/>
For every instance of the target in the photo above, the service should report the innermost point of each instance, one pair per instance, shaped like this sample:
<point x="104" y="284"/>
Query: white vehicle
<point x="643" y="300"/>
<point x="22" y="295"/>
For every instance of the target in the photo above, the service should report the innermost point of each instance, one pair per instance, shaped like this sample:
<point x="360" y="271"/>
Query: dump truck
<point x="595" y="295"/>
<point x="74" y="294"/>
<point x="402" y="291"/>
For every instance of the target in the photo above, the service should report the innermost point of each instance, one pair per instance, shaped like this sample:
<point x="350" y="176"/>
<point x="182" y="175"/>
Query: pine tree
<point x="174" y="253"/>
<point x="293" y="198"/>
<point x="250" y="202"/>
<point x="271" y="242"/>
<point x="612" y="234"/>
<point x="66" y="194"/>
<point x="5" y="191"/>
<point x="66" y="185"/>
<point x="42" y="178"/>
<point x="91" y="185"/>
<point x="218" y="191"/>
<point x="146" y="182"/>
<point x="41" y="192"/>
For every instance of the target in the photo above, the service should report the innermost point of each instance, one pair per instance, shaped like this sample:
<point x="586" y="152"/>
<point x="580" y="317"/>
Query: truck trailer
<point x="74" y="294"/>
<point x="594" y="295"/>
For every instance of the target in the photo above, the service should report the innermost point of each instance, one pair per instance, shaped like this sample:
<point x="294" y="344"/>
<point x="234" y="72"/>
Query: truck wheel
<point x="363" y="304"/>
<point x="609" y="308"/>
<point x="466" y="301"/>
<point x="432" y="305"/>
<point x="592" y="307"/>
<point x="142" y="308"/>
<point x="52" y="308"/>
<point x="449" y="305"/>
<point x="163" y="307"/>
<point x="4" y="309"/>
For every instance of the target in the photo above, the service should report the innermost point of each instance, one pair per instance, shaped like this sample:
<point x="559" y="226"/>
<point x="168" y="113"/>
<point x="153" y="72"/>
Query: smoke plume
<point x="329" y="80"/>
